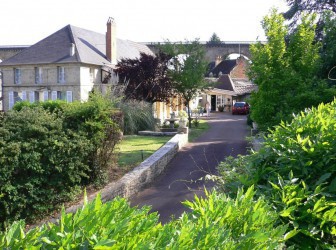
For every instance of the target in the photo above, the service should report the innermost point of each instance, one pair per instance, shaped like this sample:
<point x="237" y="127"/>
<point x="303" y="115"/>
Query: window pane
<point x="17" y="76"/>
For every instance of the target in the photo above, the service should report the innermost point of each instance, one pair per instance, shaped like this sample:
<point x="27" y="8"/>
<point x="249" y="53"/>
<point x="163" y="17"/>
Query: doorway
<point x="213" y="103"/>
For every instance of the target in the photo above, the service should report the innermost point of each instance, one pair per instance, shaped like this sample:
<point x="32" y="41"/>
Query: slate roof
<point x="239" y="86"/>
<point x="224" y="82"/>
<point x="90" y="48"/>
<point x="243" y="86"/>
<point x="225" y="67"/>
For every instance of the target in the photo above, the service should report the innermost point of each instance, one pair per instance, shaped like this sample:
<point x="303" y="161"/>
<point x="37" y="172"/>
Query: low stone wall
<point x="142" y="175"/>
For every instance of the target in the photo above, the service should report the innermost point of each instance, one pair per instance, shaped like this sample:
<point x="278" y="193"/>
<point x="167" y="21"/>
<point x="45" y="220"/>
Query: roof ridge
<point x="78" y="57"/>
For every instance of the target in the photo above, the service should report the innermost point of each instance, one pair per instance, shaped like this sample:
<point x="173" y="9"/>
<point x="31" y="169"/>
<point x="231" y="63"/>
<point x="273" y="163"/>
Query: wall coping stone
<point x="142" y="175"/>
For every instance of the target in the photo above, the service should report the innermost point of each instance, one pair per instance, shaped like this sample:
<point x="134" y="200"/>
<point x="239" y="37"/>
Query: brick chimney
<point x="111" y="41"/>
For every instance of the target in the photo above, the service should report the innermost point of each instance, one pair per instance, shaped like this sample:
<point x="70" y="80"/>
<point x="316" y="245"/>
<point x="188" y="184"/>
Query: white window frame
<point x="17" y="76"/>
<point x="69" y="96"/>
<point x="54" y="95"/>
<point x="45" y="95"/>
<point x="31" y="96"/>
<point x="10" y="99"/>
<point x="92" y="72"/>
<point x="24" y="95"/>
<point x="60" y="74"/>
<point x="38" y="75"/>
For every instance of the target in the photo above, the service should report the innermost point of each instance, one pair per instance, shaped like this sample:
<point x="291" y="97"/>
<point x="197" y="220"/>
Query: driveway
<point x="180" y="181"/>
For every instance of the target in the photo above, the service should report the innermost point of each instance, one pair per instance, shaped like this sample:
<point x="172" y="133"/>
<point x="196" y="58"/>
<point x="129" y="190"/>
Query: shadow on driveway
<point x="225" y="137"/>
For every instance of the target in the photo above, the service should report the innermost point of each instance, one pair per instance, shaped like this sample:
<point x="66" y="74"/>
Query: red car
<point x="241" y="108"/>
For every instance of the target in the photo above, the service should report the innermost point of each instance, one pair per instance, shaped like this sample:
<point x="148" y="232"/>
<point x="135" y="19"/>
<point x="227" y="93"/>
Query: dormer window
<point x="17" y="76"/>
<point x="60" y="74"/>
<point x="38" y="75"/>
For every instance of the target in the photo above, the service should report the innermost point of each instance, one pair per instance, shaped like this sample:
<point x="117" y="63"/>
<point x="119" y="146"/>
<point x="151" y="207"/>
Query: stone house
<point x="66" y="65"/>
<point x="229" y="82"/>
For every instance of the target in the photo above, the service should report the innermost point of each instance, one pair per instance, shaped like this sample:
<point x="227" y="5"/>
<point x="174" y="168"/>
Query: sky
<point x="24" y="22"/>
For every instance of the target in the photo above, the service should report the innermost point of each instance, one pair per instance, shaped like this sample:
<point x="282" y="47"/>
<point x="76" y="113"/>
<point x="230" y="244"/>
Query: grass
<point x="133" y="149"/>
<point x="196" y="132"/>
<point x="136" y="148"/>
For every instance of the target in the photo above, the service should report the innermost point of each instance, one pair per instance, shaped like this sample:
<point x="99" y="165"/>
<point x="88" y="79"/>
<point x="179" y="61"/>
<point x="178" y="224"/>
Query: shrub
<point x="307" y="212"/>
<point x="304" y="148"/>
<point x="221" y="108"/>
<point x="41" y="163"/>
<point x="216" y="222"/>
<point x="51" y="149"/>
<point x="52" y="106"/>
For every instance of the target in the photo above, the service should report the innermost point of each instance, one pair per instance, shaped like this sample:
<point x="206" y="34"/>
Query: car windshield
<point x="239" y="104"/>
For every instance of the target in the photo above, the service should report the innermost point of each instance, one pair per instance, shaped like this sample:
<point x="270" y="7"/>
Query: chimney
<point x="218" y="60"/>
<point x="111" y="41"/>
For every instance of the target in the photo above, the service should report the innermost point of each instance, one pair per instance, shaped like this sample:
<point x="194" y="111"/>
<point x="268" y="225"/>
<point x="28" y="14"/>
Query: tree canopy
<point x="187" y="69"/>
<point x="285" y="72"/>
<point x="147" y="77"/>
<point x="297" y="8"/>
<point x="214" y="39"/>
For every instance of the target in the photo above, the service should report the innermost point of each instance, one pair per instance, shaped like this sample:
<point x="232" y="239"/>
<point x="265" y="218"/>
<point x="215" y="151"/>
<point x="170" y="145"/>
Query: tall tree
<point x="299" y="7"/>
<point x="147" y="77"/>
<point x="284" y="73"/>
<point x="188" y="67"/>
<point x="214" y="39"/>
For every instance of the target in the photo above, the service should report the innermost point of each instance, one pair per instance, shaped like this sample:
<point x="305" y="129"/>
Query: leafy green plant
<point x="216" y="221"/>
<point x="196" y="122"/>
<point x="311" y="217"/>
<point x="304" y="148"/>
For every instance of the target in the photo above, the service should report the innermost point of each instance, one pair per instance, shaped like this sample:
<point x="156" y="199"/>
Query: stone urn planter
<point x="183" y="123"/>
<point x="183" y="119"/>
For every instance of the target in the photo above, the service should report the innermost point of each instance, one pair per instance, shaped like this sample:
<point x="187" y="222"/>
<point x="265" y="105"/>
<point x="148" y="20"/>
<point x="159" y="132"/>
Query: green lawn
<point x="196" y="132"/>
<point x="133" y="147"/>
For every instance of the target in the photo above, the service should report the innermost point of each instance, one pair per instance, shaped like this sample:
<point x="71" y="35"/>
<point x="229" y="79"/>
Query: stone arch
<point x="223" y="49"/>
<point x="226" y="49"/>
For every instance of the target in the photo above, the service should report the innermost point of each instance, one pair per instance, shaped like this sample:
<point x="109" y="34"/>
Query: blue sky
<point x="24" y="22"/>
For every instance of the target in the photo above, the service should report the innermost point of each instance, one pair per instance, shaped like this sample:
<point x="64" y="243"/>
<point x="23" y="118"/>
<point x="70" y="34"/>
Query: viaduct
<point x="222" y="49"/>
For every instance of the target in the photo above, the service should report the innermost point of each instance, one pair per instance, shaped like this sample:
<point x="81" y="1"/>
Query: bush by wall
<point x="41" y="163"/>
<point x="49" y="150"/>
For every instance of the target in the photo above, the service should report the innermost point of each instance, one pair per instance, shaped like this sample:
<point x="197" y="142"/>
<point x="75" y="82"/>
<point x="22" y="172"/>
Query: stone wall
<point x="142" y="175"/>
<point x="77" y="80"/>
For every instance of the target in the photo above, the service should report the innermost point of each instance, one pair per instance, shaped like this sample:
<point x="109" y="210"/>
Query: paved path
<point x="225" y="137"/>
